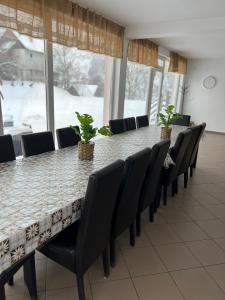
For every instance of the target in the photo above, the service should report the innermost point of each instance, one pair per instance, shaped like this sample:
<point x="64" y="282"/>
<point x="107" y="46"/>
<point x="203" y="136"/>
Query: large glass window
<point x="169" y="89"/>
<point x="156" y="96"/>
<point x="22" y="84"/>
<point x="79" y="82"/>
<point x="137" y="86"/>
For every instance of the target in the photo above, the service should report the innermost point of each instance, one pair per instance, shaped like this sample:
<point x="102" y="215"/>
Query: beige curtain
<point x="178" y="63"/>
<point x="143" y="52"/>
<point x="63" y="22"/>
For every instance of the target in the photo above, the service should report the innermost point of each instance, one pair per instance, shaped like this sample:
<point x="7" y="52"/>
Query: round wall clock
<point x="209" y="82"/>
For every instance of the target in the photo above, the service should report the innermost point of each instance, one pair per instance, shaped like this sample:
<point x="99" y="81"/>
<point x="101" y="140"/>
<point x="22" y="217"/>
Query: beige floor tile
<point x="143" y="261"/>
<point x="174" y="214"/>
<point x="214" y="228"/>
<point x="189" y="231"/>
<point x="196" y="284"/>
<point x="157" y="287"/>
<point x="25" y="297"/>
<point x="218" y="210"/>
<point x="221" y="243"/>
<point x="58" y="277"/>
<point x="218" y="274"/>
<point x="160" y="234"/>
<point x="206" y="199"/>
<point x="207" y="252"/>
<point x="66" y="294"/>
<point x="177" y="257"/>
<point x="199" y="213"/>
<point x="114" y="290"/>
<point x="120" y="271"/>
<point x="142" y="241"/>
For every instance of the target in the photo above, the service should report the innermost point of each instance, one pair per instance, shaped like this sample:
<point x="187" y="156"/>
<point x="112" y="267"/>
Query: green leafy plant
<point x="168" y="118"/>
<point x="87" y="132"/>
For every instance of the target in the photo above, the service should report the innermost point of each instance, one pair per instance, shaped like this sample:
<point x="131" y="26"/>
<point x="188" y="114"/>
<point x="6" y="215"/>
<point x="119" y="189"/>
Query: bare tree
<point x="71" y="65"/>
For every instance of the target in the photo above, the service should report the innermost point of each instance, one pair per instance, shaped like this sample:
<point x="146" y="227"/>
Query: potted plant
<point x="87" y="132"/>
<point x="166" y="120"/>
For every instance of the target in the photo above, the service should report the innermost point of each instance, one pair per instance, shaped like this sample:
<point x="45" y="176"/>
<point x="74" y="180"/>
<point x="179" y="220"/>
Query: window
<point x="137" y="86"/>
<point x="169" y="89"/>
<point x="22" y="84"/>
<point x="79" y="83"/>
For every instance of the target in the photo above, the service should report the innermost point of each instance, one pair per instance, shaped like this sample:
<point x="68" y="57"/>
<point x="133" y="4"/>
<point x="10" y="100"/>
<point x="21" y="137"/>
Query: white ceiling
<point x="195" y="28"/>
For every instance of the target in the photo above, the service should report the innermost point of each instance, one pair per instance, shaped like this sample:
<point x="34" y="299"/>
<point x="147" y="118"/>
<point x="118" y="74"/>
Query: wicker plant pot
<point x="86" y="151"/>
<point x="166" y="133"/>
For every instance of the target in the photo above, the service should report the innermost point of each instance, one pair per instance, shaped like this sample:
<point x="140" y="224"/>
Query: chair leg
<point x="105" y="260"/>
<point x="132" y="234"/>
<point x="191" y="171"/>
<point x="176" y="186"/>
<point x="165" y="195"/>
<point x="80" y="286"/>
<point x="30" y="277"/>
<point x="185" y="179"/>
<point x="112" y="252"/>
<point x="138" y="224"/>
<point x="2" y="292"/>
<point x="173" y="189"/>
<point x="195" y="161"/>
<point x="151" y="212"/>
<point x="11" y="281"/>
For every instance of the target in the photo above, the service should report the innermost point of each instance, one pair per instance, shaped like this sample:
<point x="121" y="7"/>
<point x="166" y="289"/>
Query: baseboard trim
<point x="216" y="132"/>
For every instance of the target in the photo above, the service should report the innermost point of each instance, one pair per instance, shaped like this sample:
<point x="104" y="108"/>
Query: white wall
<point x="200" y="103"/>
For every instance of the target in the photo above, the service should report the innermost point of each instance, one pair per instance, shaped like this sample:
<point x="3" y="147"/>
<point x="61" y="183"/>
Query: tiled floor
<point x="180" y="256"/>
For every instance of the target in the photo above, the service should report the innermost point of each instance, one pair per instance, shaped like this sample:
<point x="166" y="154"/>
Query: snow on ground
<point x="27" y="105"/>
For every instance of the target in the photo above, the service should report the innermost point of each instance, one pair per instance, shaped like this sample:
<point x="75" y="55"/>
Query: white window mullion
<point x="150" y="90"/>
<point x="1" y="119"/>
<point x="49" y="81"/>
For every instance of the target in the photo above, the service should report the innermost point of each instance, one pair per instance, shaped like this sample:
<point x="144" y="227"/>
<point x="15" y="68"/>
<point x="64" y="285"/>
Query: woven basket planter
<point x="165" y="133"/>
<point x="86" y="151"/>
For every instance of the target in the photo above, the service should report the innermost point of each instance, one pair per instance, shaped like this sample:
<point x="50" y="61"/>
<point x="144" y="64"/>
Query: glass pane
<point x="78" y="85"/>
<point x="22" y="84"/>
<point x="155" y="97"/>
<point x="137" y="84"/>
<point x="168" y="90"/>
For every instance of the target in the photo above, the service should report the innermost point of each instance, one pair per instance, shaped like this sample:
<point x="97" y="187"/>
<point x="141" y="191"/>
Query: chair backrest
<point x="67" y="137"/>
<point x="7" y="152"/>
<point x="184" y="121"/>
<point x="126" y="207"/>
<point x="142" y="121"/>
<point x="195" y="150"/>
<point x="96" y="216"/>
<point x="117" y="126"/>
<point x="177" y="153"/>
<point x="153" y="174"/>
<point x="130" y="123"/>
<point x="195" y="133"/>
<point x="37" y="143"/>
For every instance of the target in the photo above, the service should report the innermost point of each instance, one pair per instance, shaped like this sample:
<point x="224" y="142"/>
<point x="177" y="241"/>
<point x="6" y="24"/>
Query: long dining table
<point x="42" y="194"/>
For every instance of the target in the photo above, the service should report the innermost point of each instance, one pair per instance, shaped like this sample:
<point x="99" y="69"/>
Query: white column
<point x="150" y="89"/>
<point x="49" y="81"/>
<point x="1" y="118"/>
<point x="119" y="85"/>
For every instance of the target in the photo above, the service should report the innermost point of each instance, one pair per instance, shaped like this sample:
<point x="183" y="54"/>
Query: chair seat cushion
<point x="62" y="249"/>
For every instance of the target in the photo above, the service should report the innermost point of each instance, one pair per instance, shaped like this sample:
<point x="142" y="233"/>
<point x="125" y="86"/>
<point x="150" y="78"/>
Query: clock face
<point x="209" y="82"/>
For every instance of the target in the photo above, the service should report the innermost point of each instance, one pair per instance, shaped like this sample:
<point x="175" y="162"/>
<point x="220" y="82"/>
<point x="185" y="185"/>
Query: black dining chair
<point x="67" y="137"/>
<point x="130" y="123"/>
<point x="7" y="152"/>
<point x="195" y="133"/>
<point x="183" y="121"/>
<point x="117" y="126"/>
<point x="37" y="143"/>
<point x="142" y="121"/>
<point x="177" y="153"/>
<point x="151" y="188"/>
<point x="78" y="246"/>
<point x="28" y="264"/>
<point x="127" y="203"/>
<point x="194" y="155"/>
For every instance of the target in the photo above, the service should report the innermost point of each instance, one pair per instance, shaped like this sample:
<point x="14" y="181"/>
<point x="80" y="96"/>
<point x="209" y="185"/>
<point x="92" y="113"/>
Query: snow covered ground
<point x="27" y="105"/>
